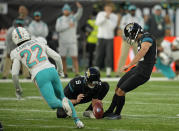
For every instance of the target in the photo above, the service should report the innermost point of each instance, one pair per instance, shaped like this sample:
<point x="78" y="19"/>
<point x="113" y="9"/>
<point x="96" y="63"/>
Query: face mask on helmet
<point x="92" y="84"/>
<point x="131" y="32"/>
<point x="92" y="77"/>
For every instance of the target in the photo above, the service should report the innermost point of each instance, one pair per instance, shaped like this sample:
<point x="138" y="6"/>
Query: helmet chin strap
<point x="90" y="86"/>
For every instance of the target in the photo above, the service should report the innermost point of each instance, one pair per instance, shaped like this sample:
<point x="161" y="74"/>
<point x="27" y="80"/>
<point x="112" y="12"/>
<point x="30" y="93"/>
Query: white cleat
<point x="66" y="106"/>
<point x="89" y="114"/>
<point x="18" y="94"/>
<point x="79" y="124"/>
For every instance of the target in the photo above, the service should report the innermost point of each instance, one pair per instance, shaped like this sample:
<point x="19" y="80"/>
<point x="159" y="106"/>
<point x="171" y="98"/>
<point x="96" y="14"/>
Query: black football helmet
<point x="92" y="76"/>
<point x="131" y="32"/>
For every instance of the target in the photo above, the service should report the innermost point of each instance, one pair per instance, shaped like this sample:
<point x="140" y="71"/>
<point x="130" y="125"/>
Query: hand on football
<point x="79" y="97"/>
<point x="94" y="101"/>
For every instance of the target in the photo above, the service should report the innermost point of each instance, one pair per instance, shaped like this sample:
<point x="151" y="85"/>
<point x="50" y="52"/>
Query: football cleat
<point x="89" y="114"/>
<point x="18" y="94"/>
<point x="66" y="106"/>
<point x="113" y="117"/>
<point x="79" y="124"/>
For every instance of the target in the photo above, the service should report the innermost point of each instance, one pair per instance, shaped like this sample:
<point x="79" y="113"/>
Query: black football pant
<point x="132" y="80"/>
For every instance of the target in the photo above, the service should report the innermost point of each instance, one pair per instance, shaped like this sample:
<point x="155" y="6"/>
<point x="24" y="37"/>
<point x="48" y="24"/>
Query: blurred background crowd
<point x="90" y="33"/>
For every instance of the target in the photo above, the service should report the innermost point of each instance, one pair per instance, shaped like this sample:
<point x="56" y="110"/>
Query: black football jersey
<point x="78" y="86"/>
<point x="146" y="64"/>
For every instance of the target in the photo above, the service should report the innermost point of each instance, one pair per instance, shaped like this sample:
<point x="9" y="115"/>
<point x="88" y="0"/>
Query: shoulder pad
<point x="41" y="40"/>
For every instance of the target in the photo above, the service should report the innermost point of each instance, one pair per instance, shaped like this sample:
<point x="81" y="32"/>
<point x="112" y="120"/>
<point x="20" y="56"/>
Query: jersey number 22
<point x="28" y="53"/>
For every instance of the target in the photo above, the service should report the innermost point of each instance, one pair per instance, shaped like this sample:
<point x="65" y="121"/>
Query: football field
<point x="153" y="106"/>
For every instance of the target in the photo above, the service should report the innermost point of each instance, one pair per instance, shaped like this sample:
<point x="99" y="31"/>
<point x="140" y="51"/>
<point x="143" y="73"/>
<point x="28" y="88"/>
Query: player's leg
<point x="131" y="83"/>
<point x="102" y="92"/>
<point x="48" y="94"/>
<point x="114" y="100"/>
<point x="57" y="86"/>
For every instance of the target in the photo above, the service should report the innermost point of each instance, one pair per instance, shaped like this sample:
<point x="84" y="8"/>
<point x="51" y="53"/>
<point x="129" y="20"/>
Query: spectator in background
<point x="156" y="25"/>
<point x="66" y="26"/>
<point x="9" y="47"/>
<point x="106" y="21"/>
<point x="165" y="59"/>
<point x="37" y="27"/>
<point x="91" y="31"/>
<point x="128" y="18"/>
<point x="23" y="14"/>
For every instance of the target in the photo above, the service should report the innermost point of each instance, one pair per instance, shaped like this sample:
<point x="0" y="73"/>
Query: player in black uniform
<point x="139" y="74"/>
<point x="84" y="89"/>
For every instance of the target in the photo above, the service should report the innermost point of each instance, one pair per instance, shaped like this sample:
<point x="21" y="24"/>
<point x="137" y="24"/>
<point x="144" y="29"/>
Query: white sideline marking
<point x="103" y="79"/>
<point x="86" y="127"/>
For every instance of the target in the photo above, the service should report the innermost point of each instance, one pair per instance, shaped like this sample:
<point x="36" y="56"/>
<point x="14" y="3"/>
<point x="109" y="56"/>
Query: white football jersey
<point x="33" y="54"/>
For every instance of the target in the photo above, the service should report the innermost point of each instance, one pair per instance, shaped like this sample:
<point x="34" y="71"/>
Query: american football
<point x="98" y="110"/>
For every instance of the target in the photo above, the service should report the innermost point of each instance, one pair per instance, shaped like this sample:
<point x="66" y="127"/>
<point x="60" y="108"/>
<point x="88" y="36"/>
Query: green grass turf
<point x="151" y="107"/>
<point x="103" y="74"/>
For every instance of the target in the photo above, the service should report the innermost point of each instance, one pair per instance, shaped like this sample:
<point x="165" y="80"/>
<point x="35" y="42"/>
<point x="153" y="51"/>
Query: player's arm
<point x="56" y="57"/>
<point x="15" y="77"/>
<point x="78" y="99"/>
<point x="144" y="49"/>
<point x="74" y="92"/>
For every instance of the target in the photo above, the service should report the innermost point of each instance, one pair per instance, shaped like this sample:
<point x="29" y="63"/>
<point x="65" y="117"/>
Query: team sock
<point x="120" y="104"/>
<point x="113" y="104"/>
<point x="74" y="115"/>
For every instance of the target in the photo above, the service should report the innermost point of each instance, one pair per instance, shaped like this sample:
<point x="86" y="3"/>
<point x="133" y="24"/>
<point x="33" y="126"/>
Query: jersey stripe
<point x="18" y="32"/>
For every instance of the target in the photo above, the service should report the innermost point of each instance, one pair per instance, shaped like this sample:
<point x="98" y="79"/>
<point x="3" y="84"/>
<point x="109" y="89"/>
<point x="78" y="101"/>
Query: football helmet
<point x="19" y="35"/>
<point x="92" y="77"/>
<point x="131" y="32"/>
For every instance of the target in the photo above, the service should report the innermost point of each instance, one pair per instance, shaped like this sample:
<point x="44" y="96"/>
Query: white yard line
<point x="104" y="101"/>
<point x="72" y="127"/>
<point x="103" y="79"/>
<point x="53" y="111"/>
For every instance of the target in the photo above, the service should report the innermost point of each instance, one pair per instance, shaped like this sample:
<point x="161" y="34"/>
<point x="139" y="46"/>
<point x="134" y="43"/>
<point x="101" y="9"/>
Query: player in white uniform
<point x="34" y="55"/>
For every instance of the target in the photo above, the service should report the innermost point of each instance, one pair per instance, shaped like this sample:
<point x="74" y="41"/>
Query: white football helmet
<point x="19" y="35"/>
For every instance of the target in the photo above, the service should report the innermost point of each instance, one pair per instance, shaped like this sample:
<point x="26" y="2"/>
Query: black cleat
<point x="106" y="114"/>
<point x="65" y="76"/>
<point x="113" y="117"/>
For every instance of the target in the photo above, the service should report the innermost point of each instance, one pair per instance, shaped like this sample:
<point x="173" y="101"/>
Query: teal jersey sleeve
<point x="147" y="39"/>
